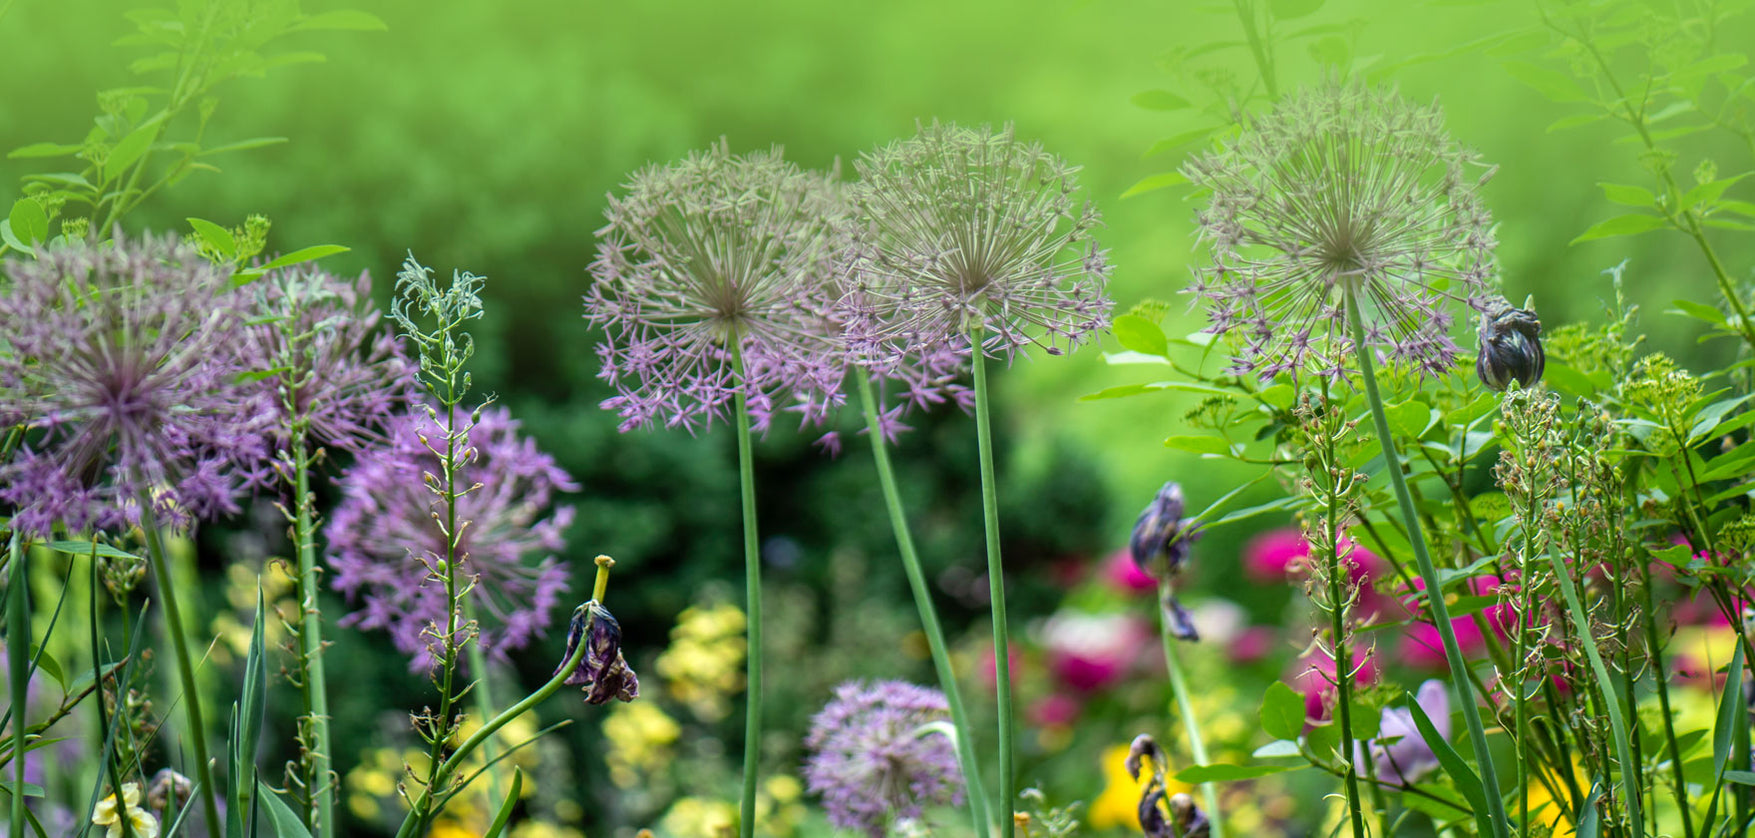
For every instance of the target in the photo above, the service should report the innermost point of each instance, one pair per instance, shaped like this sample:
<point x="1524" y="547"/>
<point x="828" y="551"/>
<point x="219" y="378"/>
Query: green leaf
<point x="1198" y="444"/>
<point x="218" y="238"/>
<point x="1155" y="182"/>
<point x="87" y="548"/>
<point x="242" y="145"/>
<point x="1410" y="418"/>
<point x="1177" y="141"/>
<point x="1709" y="192"/>
<point x="347" y="19"/>
<point x="1159" y="100"/>
<point x="307" y="254"/>
<point x="1460" y="773"/>
<point x="29" y="223"/>
<point x="44" y="150"/>
<point x="1282" y="711"/>
<point x="10" y="239"/>
<point x="1573" y="121"/>
<point x="1621" y="225"/>
<point x="1277" y="749"/>
<point x="505" y="815"/>
<point x="1555" y="85"/>
<point x="1223" y="773"/>
<point x="1699" y="311"/>
<point x="285" y="821"/>
<point x="30" y="789"/>
<point x="129" y="149"/>
<point x="1631" y="196"/>
<point x="1741" y="778"/>
<point x="1291" y="9"/>
<point x="1140" y="335"/>
<point x="47" y="663"/>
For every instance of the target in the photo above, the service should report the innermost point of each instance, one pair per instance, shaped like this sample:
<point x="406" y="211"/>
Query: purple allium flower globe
<point x="966" y="229"/>
<point x="125" y="367"/>
<point x="383" y="540"/>
<point x="1342" y="186"/>
<point x="716" y="253"/>
<point x="348" y="377"/>
<point x="1399" y="751"/>
<point x="871" y="761"/>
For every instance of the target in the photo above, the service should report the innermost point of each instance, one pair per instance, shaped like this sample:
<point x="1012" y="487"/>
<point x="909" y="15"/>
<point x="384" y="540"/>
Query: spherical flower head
<point x="384" y="543"/>
<point x="970" y="231"/>
<point x="1342" y="188"/>
<point x="871" y="761"/>
<point x="713" y="278"/>
<point x="1399" y="751"/>
<point x="340" y="374"/>
<point x="126" y="371"/>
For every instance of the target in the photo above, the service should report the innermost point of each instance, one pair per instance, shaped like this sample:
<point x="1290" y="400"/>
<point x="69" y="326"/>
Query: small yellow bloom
<point x="1119" y="803"/>
<point x="113" y="810"/>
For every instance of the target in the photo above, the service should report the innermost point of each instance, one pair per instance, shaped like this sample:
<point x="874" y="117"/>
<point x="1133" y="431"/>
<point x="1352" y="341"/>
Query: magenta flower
<point x="1399" y="751"/>
<point x="873" y="759"/>
<point x="713" y="278"/>
<point x="384" y="544"/>
<point x="124" y="366"/>
<point x="966" y="229"/>
<point x="1316" y="678"/>
<point x="344" y="377"/>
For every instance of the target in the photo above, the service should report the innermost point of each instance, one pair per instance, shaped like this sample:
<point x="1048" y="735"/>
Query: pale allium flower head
<point x="872" y="762"/>
<point x="966" y="229"/>
<point x="715" y="249"/>
<point x="347" y="377"/>
<point x="1399" y="751"/>
<point x="125" y="366"/>
<point x="1341" y="186"/>
<point x="384" y="542"/>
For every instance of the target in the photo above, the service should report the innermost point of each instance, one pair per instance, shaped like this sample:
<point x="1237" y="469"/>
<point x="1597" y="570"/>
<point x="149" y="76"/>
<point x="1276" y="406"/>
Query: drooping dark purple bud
<point x="1159" y="810"/>
<point x="1510" y="347"/>
<point x="603" y="672"/>
<point x="1160" y="538"/>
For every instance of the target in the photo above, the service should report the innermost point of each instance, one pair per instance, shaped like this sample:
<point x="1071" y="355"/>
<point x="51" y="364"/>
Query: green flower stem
<point x="752" y="578"/>
<point x="18" y="674"/>
<point x="1655" y="648"/>
<point x="1002" y="666"/>
<point x="1459" y="666"/>
<point x="316" y="681"/>
<point x="935" y="639"/>
<point x="484" y="702"/>
<point x="1197" y="746"/>
<point x="173" y="619"/>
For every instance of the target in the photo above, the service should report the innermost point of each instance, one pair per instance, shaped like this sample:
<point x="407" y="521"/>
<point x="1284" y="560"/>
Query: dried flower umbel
<point x="1340" y="188"/>
<point x="971" y="231"/>
<point x="713" y="277"/>
<point x="124" y="366"/>
<point x="875" y="757"/>
<point x="384" y="545"/>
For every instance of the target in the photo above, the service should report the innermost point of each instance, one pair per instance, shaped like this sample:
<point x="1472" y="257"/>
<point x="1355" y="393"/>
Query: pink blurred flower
<point x="1422" y="647"/>
<point x="1123" y="575"/>
<point x="1314" y="676"/>
<point x="1089" y="652"/>
<point x="1055" y="710"/>
<point x="1271" y="556"/>
<point x="1252" y="644"/>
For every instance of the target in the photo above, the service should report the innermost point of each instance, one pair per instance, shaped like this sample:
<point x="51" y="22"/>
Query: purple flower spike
<point x="603" y="672"/>
<point x="1399" y="751"/>
<point x="384" y="543"/>
<point x="871" y="760"/>
<point x="1342" y="186"/>
<point x="965" y="229"/>
<point x="124" y="365"/>
<point x="705" y="252"/>
<point x="346" y="378"/>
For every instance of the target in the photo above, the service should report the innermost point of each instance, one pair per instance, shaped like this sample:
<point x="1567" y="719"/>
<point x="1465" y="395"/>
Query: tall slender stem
<point x="1459" y="666"/>
<point x="935" y="638"/>
<point x="173" y="618"/>
<point x="1197" y="746"/>
<point x="1002" y="666"/>
<point x="18" y="675"/>
<point x="484" y="704"/>
<point x="316" y="682"/>
<point x="752" y="580"/>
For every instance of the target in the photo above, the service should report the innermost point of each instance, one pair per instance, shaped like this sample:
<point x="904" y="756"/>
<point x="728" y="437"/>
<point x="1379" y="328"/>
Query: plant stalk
<point x="752" y="577"/>
<point x="1197" y="747"/>
<point x="18" y="674"/>
<point x="316" y="681"/>
<point x="996" y="587"/>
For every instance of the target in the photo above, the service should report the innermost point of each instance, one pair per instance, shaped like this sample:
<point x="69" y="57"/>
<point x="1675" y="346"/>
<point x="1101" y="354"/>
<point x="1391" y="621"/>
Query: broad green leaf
<point x="1159" y="100"/>
<point x="10" y="239"/>
<point x="44" y="150"/>
<point x="1198" y="444"/>
<point x="218" y="238"/>
<point x="349" y="19"/>
<point x="1630" y="196"/>
<point x="1741" y="778"/>
<point x="307" y="254"/>
<point x="1699" y="311"/>
<point x="129" y="149"/>
<point x="1140" y="335"/>
<point x="1277" y="749"/>
<point x="1223" y="773"/>
<point x="1410" y="418"/>
<point x="29" y="223"/>
<point x="1708" y="192"/>
<point x="1555" y="85"/>
<point x="30" y="789"/>
<point x="1155" y="182"/>
<point x="87" y="548"/>
<point x="1621" y="225"/>
<point x="1282" y="711"/>
<point x="242" y="145"/>
<point x="286" y="822"/>
<point x="499" y="825"/>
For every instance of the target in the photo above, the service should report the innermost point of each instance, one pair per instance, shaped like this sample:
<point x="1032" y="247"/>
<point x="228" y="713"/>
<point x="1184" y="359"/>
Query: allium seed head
<point x="125" y="367"/>
<point x="967" y="229"/>
<point x="385" y="543"/>
<point x="871" y="760"/>
<point x="1342" y="187"/>
<point x="711" y="254"/>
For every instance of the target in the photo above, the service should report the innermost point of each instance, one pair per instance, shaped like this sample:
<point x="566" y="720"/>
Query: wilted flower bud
<point x="1155" y="822"/>
<point x="168" y="792"/>
<point x="1510" y="347"/>
<point x="1160" y="547"/>
<point x="602" y="671"/>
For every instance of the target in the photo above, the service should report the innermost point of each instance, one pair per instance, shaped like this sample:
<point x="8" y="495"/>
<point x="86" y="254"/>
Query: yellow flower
<point x="704" y="663"/>
<point x="640" y="736"/>
<point x="1546" y="810"/>
<point x="700" y="817"/>
<point x="544" y="829"/>
<point x="1119" y="803"/>
<point x="111" y="812"/>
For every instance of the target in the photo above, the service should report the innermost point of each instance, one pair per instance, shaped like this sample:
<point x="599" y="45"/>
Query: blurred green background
<point x="485" y="136"/>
